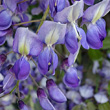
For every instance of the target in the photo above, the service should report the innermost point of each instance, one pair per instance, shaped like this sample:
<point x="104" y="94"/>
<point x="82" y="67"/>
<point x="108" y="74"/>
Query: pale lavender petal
<point x="86" y="91"/>
<point x="26" y="42"/>
<point x="36" y="11"/>
<point x="71" y="13"/>
<point x="95" y="12"/>
<point x="101" y="97"/>
<point x="8" y="81"/>
<point x="53" y="34"/>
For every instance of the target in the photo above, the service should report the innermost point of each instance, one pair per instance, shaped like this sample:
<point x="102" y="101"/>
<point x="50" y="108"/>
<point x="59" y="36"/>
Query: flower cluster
<point x="62" y="24"/>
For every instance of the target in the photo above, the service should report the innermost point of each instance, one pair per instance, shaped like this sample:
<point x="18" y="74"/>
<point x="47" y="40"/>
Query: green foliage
<point x="105" y="106"/>
<point x="95" y="54"/>
<point x="106" y="43"/>
<point x="91" y="106"/>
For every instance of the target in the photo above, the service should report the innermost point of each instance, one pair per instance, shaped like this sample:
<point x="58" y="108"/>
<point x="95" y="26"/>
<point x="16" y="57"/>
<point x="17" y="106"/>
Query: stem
<point x="34" y="62"/>
<point x="32" y="21"/>
<point x="59" y="54"/>
<point x="22" y="1"/>
<point x="34" y="81"/>
<point x="9" y="53"/>
<point x="5" y="95"/>
<point x="18" y="90"/>
<point x="43" y="18"/>
<point x="14" y="87"/>
<point x="17" y="85"/>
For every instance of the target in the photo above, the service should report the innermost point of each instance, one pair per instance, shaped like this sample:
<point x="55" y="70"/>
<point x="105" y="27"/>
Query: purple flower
<point x="54" y="92"/>
<point x="70" y="15"/>
<point x="5" y="17"/>
<point x="21" y="69"/>
<point x="86" y="91"/>
<point x="57" y="6"/>
<point x="88" y="2"/>
<point x="47" y="60"/>
<point x="71" y="78"/>
<point x="26" y="42"/>
<point x="8" y="80"/>
<point x="95" y="25"/>
<point x="3" y="57"/>
<point x="50" y="36"/>
<point x="100" y="97"/>
<point x="44" y="102"/>
<point x="22" y="105"/>
<point x="1" y="90"/>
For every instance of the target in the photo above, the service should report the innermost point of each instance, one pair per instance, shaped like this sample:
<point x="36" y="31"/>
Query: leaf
<point x="95" y="54"/>
<point x="105" y="106"/>
<point x="106" y="43"/>
<point x="108" y="90"/>
<point x="79" y="107"/>
<point x="91" y="106"/>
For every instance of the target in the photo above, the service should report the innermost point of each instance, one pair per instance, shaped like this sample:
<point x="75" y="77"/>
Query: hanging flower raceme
<point x="54" y="92"/>
<point x="25" y="43"/>
<point x="96" y="26"/>
<point x="70" y="15"/>
<point x="71" y="78"/>
<point x="50" y="33"/>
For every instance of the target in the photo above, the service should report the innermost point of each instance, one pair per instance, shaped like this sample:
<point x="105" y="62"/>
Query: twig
<point x="32" y="21"/>
<point x="34" y="81"/>
<point x="9" y="53"/>
<point x="22" y="1"/>
<point x="43" y="19"/>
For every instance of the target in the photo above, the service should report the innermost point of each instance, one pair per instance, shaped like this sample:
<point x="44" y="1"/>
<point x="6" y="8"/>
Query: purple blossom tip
<point x="2" y="58"/>
<point x="54" y="92"/>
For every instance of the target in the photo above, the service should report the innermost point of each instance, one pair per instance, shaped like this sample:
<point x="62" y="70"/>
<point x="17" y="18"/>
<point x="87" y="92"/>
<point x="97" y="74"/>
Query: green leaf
<point x="95" y="54"/>
<point x="91" y="106"/>
<point x="108" y="90"/>
<point x="79" y="107"/>
<point x="105" y="106"/>
<point x="106" y="43"/>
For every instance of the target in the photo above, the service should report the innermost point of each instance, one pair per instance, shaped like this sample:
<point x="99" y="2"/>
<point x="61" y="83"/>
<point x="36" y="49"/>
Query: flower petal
<point x="44" y="102"/>
<point x="8" y="81"/>
<point x="71" y="40"/>
<point x="2" y="40"/>
<point x="71" y="13"/>
<point x="6" y="20"/>
<point x="89" y="2"/>
<point x="71" y="79"/>
<point x="21" y="69"/>
<point x="54" y="92"/>
<point x="72" y="57"/>
<point x="93" y="37"/>
<point x="53" y="34"/>
<point x="26" y="42"/>
<point x="95" y="12"/>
